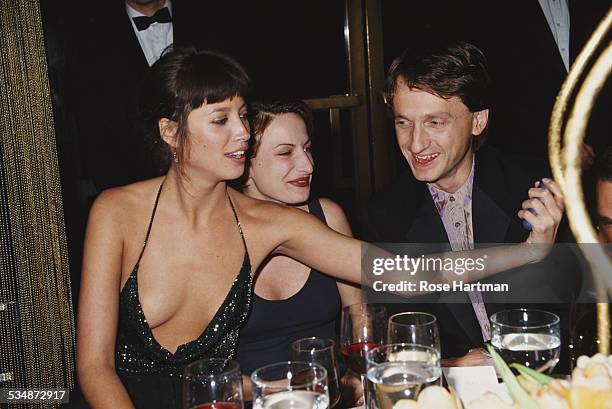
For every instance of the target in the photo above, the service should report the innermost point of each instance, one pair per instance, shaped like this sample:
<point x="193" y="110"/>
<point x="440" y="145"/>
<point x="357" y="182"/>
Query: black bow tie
<point x="161" y="16"/>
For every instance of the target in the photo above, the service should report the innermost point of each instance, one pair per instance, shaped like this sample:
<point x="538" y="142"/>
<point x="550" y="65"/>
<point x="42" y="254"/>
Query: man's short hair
<point x="446" y="69"/>
<point x="604" y="165"/>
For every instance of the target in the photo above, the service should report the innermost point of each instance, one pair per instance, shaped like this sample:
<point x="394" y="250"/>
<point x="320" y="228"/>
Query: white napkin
<point x="471" y="382"/>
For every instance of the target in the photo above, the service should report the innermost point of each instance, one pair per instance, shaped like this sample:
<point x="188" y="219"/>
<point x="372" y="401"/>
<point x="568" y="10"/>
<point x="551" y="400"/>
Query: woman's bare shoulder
<point x="264" y="211"/>
<point x="255" y="208"/>
<point x="124" y="202"/>
<point x="331" y="208"/>
<point x="335" y="216"/>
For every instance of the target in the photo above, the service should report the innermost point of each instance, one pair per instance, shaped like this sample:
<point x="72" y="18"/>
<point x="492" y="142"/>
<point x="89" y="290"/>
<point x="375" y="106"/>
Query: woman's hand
<point x="352" y="390"/>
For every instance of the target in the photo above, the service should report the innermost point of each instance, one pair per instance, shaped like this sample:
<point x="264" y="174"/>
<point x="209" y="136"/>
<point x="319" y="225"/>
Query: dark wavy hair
<point x="182" y="80"/>
<point x="445" y="69"/>
<point x="262" y="113"/>
<point x="456" y="69"/>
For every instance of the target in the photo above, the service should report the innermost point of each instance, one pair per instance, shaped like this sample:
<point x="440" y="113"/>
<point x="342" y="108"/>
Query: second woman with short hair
<point x="290" y="300"/>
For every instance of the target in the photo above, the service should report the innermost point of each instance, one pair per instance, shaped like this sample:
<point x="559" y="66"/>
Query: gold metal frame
<point x="565" y="162"/>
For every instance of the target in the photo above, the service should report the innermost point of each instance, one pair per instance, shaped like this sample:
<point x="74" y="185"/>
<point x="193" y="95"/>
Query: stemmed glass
<point x="526" y="336"/>
<point x="320" y="351"/>
<point x="212" y="384"/>
<point x="291" y="384"/>
<point x="401" y="371"/>
<point x="414" y="328"/>
<point x="363" y="328"/>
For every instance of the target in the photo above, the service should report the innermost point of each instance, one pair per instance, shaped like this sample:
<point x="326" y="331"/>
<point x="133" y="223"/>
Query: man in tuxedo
<point x="115" y="47"/>
<point x="457" y="191"/>
<point x="530" y="47"/>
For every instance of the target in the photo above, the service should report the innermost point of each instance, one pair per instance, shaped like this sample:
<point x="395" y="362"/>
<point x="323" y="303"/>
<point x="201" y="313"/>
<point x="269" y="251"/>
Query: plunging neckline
<point x="133" y="280"/>
<point x="245" y="264"/>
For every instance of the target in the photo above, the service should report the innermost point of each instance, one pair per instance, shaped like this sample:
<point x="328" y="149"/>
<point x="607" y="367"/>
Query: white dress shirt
<point x="558" y="18"/>
<point x="155" y="38"/>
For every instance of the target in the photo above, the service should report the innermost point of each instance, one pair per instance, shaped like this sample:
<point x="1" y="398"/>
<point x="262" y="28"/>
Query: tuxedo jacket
<point x="527" y="70"/>
<point x="106" y="76"/>
<point x="406" y="213"/>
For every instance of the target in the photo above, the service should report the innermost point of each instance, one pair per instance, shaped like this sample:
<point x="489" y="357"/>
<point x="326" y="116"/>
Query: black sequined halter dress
<point x="151" y="374"/>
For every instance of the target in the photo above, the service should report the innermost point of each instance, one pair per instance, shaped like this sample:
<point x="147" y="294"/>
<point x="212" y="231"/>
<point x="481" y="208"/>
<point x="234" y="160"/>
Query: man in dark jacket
<point x="456" y="191"/>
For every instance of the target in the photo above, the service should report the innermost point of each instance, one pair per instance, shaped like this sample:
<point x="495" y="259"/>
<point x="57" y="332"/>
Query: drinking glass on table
<point x="526" y="336"/>
<point x="212" y="384"/>
<point x="414" y="328"/>
<point x="320" y="351"/>
<point x="291" y="384"/>
<point x="363" y="328"/>
<point x="400" y="371"/>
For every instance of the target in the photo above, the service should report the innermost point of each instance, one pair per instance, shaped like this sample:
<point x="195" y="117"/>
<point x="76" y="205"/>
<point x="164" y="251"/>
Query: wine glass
<point x="320" y="351"/>
<point x="363" y="328"/>
<point x="401" y="371"/>
<point x="291" y="384"/>
<point x="414" y="328"/>
<point x="526" y="336"/>
<point x="212" y="384"/>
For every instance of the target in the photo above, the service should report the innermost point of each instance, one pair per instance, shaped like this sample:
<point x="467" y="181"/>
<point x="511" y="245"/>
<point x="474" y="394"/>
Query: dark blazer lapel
<point x="178" y="22"/>
<point x="131" y="47"/>
<point x="426" y="225"/>
<point x="489" y="221"/>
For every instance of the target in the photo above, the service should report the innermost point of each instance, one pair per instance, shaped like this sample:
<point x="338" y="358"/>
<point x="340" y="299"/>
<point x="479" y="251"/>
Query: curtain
<point x="36" y="320"/>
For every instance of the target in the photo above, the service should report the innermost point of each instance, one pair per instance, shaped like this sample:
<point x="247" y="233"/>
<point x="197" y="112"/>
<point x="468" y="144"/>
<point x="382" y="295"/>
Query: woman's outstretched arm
<point x="314" y="244"/>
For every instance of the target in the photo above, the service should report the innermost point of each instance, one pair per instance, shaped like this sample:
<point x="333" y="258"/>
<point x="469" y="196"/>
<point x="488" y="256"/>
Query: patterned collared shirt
<point x="455" y="210"/>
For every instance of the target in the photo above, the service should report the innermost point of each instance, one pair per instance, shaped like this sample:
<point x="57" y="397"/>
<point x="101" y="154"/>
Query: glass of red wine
<point x="213" y="384"/>
<point x="363" y="328"/>
<point x="320" y="351"/>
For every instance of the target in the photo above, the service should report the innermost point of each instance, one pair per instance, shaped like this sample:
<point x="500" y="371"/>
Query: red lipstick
<point x="301" y="182"/>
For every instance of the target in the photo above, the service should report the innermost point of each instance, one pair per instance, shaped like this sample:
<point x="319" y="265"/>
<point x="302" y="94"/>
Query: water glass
<point x="526" y="336"/>
<point x="400" y="371"/>
<point x="320" y="351"/>
<point x="291" y="384"/>
<point x="212" y="384"/>
<point x="414" y="328"/>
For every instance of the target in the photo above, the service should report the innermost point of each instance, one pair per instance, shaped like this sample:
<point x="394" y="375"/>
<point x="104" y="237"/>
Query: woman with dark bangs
<point x="168" y="262"/>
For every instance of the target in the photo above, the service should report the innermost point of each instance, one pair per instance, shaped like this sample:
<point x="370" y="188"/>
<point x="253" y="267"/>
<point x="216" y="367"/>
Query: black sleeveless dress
<point x="151" y="374"/>
<point x="273" y="325"/>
